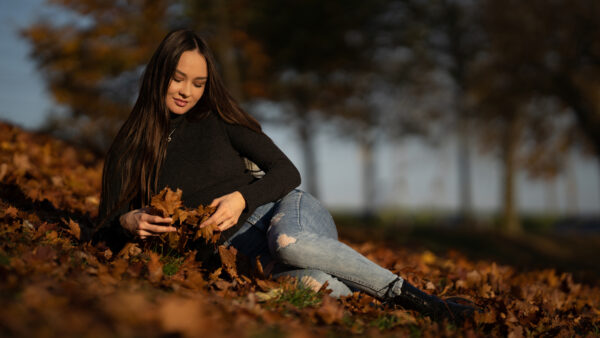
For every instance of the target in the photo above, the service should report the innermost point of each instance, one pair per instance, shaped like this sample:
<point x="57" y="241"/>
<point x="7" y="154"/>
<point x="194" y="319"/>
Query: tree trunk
<point x="226" y="52"/>
<point x="510" y="220"/>
<point x="588" y="117"/>
<point x="464" y="168"/>
<point x="551" y="198"/>
<point x="571" y="182"/>
<point x="369" y="189"/>
<point x="460" y="55"/>
<point x="307" y="133"/>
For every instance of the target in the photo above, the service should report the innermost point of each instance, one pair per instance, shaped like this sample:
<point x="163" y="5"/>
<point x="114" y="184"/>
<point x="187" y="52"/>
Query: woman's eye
<point x="177" y="80"/>
<point x="199" y="85"/>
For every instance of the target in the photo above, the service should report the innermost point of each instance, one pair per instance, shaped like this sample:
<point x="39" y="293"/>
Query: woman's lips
<point x="180" y="103"/>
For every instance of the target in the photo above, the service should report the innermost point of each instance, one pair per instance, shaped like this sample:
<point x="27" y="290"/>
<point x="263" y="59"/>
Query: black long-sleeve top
<point x="205" y="160"/>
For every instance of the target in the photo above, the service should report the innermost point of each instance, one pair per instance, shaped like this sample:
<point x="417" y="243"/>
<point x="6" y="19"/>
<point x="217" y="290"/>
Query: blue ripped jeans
<point x="296" y="236"/>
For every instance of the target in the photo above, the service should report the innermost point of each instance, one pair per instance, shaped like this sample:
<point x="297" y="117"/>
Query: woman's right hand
<point x="141" y="224"/>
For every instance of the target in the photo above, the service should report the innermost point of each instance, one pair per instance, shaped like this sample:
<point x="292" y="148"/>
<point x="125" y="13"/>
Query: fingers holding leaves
<point x="222" y="218"/>
<point x="167" y="215"/>
<point x="227" y="224"/>
<point x="215" y="202"/>
<point x="156" y="228"/>
<point x="214" y="219"/>
<point x="229" y="208"/>
<point x="143" y="234"/>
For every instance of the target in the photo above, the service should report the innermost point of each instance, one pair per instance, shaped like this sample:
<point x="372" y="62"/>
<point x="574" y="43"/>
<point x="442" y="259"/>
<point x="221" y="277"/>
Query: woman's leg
<point x="302" y="234"/>
<point x="251" y="241"/>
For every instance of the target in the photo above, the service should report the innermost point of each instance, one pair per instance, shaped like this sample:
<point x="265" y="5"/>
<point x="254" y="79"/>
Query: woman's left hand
<point x="229" y="209"/>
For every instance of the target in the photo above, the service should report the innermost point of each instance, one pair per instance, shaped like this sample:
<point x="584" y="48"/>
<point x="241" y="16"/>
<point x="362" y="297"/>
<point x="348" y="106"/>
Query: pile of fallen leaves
<point x="53" y="282"/>
<point x="189" y="234"/>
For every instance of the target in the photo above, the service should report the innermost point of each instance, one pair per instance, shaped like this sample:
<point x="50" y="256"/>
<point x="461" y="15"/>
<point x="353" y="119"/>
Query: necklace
<point x="171" y="133"/>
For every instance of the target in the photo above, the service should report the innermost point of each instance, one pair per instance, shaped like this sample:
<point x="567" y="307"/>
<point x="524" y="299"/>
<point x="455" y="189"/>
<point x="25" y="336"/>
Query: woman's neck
<point x="173" y="116"/>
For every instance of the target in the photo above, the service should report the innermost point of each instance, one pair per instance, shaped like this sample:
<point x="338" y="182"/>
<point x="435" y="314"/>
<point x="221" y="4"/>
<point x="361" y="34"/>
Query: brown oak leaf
<point x="181" y="215"/>
<point x="167" y="201"/>
<point x="209" y="232"/>
<point x="74" y="228"/>
<point x="155" y="267"/>
<point x="228" y="260"/>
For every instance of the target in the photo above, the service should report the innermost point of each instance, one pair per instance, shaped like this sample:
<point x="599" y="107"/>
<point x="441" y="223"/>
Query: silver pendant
<point x="171" y="133"/>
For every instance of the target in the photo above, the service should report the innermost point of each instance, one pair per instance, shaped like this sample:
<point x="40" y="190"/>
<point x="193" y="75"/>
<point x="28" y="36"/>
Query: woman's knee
<point x="313" y="217"/>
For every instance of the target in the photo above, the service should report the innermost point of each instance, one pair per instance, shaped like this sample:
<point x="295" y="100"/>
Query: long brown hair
<point x="139" y="149"/>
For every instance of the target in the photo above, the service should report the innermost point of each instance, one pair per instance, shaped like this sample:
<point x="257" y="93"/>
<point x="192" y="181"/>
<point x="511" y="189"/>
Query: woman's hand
<point x="142" y="224"/>
<point x="229" y="209"/>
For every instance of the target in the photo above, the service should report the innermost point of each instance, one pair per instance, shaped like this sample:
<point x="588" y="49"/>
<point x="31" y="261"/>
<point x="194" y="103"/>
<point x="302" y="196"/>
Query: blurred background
<point x="454" y="113"/>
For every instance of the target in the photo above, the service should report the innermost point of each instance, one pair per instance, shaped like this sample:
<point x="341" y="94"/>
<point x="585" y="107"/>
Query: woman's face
<point x="188" y="82"/>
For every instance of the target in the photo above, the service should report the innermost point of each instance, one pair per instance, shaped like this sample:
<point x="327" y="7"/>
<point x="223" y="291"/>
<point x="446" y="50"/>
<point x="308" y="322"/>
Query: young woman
<point x="185" y="131"/>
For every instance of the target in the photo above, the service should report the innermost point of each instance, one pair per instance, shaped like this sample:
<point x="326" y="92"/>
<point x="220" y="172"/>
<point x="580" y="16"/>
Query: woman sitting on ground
<point x="186" y="131"/>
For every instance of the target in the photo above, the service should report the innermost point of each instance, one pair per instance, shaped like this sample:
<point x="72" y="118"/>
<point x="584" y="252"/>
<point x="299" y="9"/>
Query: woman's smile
<point x="180" y="102"/>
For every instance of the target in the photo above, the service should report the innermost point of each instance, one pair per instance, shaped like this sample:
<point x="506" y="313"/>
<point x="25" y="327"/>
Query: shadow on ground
<point x="577" y="253"/>
<point x="44" y="210"/>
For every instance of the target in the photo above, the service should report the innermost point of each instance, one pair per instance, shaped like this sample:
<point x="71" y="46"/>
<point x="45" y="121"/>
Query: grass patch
<point x="300" y="297"/>
<point x="415" y="331"/>
<point x="385" y="322"/>
<point x="4" y="259"/>
<point x="269" y="332"/>
<point x="171" y="265"/>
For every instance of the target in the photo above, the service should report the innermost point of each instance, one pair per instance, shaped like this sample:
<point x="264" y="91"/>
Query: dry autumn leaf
<point x="228" y="260"/>
<point x="209" y="232"/>
<point x="74" y="229"/>
<point x="168" y="204"/>
<point x="11" y="211"/>
<point x="269" y="295"/>
<point x="155" y="267"/>
<point x="167" y="201"/>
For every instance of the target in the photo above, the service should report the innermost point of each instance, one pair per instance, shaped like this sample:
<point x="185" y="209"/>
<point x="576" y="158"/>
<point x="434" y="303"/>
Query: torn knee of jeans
<point x="277" y="218"/>
<point x="310" y="283"/>
<point x="284" y="240"/>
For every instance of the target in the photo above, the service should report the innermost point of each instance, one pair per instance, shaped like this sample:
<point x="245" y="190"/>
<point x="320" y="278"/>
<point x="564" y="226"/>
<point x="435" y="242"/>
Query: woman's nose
<point x="184" y="90"/>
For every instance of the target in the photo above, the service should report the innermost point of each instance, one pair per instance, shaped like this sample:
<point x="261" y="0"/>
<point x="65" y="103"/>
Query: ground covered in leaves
<point x="53" y="282"/>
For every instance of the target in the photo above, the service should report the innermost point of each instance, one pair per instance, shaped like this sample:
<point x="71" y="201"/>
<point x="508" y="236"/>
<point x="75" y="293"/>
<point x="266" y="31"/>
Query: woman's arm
<point x="281" y="176"/>
<point x="120" y="225"/>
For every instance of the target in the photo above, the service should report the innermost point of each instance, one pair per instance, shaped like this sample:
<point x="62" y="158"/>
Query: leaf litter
<point x="54" y="282"/>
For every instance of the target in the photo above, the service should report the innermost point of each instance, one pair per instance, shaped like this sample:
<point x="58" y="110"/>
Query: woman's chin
<point x="178" y="110"/>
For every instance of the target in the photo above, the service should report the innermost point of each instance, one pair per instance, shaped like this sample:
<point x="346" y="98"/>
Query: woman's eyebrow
<point x="197" y="78"/>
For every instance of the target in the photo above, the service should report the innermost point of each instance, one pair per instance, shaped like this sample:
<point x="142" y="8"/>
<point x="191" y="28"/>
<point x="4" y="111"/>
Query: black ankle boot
<point x="437" y="309"/>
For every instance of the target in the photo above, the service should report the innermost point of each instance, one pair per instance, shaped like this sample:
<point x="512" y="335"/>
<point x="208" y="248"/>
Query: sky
<point x="409" y="175"/>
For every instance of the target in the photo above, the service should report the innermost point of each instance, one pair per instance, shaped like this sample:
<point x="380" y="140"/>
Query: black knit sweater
<point x="204" y="159"/>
